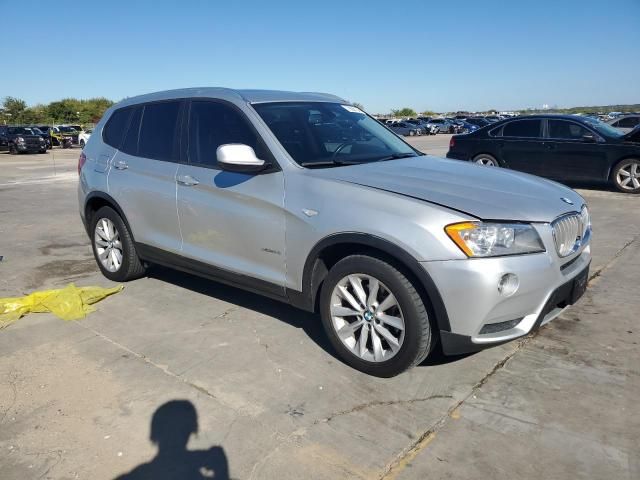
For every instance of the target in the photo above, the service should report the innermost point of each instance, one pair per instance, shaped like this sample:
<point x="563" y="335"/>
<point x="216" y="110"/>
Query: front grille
<point x="569" y="232"/>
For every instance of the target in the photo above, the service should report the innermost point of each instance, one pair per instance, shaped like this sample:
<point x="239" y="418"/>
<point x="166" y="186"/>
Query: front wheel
<point x="81" y="143"/>
<point x="626" y="176"/>
<point x="113" y="247"/>
<point x="374" y="316"/>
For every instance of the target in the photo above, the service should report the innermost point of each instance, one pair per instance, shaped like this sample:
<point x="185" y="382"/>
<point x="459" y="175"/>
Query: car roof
<point x="250" y="96"/>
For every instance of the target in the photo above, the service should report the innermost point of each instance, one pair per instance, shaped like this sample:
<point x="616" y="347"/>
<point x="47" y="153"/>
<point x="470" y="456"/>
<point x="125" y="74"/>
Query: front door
<point x="572" y="156"/>
<point x="233" y="222"/>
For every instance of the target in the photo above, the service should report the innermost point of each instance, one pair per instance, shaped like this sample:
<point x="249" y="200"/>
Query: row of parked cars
<point x="433" y="126"/>
<point x="39" y="138"/>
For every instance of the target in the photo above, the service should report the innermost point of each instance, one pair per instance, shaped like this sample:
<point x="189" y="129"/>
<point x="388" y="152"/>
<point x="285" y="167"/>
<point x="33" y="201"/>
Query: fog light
<point x="508" y="284"/>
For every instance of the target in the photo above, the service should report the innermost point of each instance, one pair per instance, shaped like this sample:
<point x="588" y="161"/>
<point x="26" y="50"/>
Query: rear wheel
<point x="486" y="160"/>
<point x="81" y="143"/>
<point x="113" y="247"/>
<point x="374" y="317"/>
<point x="13" y="150"/>
<point x="626" y="176"/>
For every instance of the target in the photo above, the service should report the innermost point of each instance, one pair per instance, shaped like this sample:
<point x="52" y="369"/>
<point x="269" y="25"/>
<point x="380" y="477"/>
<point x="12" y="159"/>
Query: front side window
<point x="212" y="124"/>
<point x="159" y="131"/>
<point x="564" y="130"/>
<point x="522" y="128"/>
<point x="628" y="122"/>
<point x="323" y="133"/>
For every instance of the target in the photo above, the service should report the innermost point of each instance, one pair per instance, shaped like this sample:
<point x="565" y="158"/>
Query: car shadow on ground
<point x="310" y="323"/>
<point x="172" y="424"/>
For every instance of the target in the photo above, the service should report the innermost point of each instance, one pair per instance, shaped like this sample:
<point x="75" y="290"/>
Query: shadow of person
<point x="171" y="427"/>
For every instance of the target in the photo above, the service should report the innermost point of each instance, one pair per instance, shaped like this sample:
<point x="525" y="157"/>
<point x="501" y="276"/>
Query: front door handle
<point x="121" y="165"/>
<point x="187" y="180"/>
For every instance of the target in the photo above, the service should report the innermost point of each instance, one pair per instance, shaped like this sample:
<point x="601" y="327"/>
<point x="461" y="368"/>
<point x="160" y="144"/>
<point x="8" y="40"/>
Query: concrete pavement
<point x="77" y="398"/>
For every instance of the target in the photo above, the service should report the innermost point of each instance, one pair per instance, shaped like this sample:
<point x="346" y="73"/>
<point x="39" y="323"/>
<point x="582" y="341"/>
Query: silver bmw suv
<point x="304" y="198"/>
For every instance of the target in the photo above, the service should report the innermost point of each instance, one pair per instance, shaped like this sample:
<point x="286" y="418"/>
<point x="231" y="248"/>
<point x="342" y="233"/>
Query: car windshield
<point x="326" y="134"/>
<point x="19" y="131"/>
<point x="66" y="129"/>
<point x="603" y="128"/>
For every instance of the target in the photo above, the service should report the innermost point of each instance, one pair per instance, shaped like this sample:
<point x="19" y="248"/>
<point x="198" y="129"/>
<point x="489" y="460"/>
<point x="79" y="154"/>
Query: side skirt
<point x="201" y="269"/>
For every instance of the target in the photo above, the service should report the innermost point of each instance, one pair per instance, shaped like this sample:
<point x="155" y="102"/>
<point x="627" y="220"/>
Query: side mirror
<point x="589" y="137"/>
<point x="236" y="157"/>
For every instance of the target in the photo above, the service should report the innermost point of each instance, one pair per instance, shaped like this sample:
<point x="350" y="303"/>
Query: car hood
<point x="487" y="193"/>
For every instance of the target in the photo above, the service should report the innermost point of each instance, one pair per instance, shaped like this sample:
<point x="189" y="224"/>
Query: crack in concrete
<point x="387" y="403"/>
<point x="398" y="464"/>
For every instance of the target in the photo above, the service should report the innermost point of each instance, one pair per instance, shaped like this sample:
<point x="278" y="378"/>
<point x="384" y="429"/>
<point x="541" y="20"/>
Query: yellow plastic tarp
<point x="68" y="303"/>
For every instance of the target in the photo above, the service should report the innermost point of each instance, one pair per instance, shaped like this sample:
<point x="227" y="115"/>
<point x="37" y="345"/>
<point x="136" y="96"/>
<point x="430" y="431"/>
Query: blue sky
<point x="436" y="55"/>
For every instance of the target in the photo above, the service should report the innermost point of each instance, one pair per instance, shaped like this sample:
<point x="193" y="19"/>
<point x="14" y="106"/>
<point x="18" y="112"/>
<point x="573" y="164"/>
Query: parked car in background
<point x="426" y="127"/>
<point x="22" y="140"/>
<point x="4" y="139"/>
<point x="625" y="123"/>
<point x="58" y="139"/>
<point x="36" y="131"/>
<point x="493" y="118"/>
<point x="479" y="121"/>
<point x="83" y="137"/>
<point x="70" y="131"/>
<point x="379" y="239"/>
<point x="444" y="125"/>
<point x="467" y="127"/>
<point x="405" y="129"/>
<point x="561" y="147"/>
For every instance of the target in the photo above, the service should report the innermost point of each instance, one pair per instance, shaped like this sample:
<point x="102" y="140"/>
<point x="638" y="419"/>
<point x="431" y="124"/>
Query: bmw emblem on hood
<point x="566" y="200"/>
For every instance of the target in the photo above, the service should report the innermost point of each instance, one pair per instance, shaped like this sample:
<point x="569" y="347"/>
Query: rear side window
<point x="212" y="124"/>
<point x="566" y="130"/>
<point x="115" y="128"/>
<point x="522" y="128"/>
<point x="159" y="131"/>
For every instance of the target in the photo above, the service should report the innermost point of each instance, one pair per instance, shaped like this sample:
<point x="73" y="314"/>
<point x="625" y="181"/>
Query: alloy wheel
<point x="367" y="317"/>
<point x="628" y="177"/>
<point x="108" y="245"/>
<point x="486" y="161"/>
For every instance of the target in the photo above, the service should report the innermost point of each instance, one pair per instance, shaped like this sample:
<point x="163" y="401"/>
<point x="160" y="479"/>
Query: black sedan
<point x="561" y="147"/>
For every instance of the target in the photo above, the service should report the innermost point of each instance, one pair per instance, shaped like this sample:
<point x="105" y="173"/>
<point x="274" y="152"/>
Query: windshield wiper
<point x="329" y="163"/>
<point x="396" y="156"/>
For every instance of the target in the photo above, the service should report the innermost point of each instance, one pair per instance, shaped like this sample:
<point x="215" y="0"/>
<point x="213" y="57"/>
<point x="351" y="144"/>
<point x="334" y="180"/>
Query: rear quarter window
<point x="523" y="128"/>
<point x="116" y="126"/>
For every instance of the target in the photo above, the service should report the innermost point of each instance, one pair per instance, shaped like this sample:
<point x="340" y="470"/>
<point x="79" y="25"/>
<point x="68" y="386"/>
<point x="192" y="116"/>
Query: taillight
<point x="81" y="162"/>
<point x="452" y="142"/>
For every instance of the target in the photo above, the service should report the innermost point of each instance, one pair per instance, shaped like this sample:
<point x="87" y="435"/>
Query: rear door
<point x="234" y="222"/>
<point x="142" y="174"/>
<point x="521" y="146"/>
<point x="571" y="155"/>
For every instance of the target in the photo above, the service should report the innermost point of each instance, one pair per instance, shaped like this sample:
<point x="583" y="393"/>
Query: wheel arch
<point x="333" y="248"/>
<point x="95" y="201"/>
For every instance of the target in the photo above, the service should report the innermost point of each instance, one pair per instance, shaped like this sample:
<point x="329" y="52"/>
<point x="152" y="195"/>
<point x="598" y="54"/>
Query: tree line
<point x="15" y="111"/>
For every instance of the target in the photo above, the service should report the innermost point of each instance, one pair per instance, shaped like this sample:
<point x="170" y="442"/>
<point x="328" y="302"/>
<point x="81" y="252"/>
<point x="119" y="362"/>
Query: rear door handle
<point x="187" y="180"/>
<point x="121" y="165"/>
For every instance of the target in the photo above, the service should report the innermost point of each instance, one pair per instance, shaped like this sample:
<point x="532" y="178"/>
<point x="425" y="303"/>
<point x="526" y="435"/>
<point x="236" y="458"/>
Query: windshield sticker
<point x="351" y="109"/>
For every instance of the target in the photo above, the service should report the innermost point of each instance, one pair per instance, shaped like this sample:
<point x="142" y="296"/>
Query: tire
<point x="130" y="266"/>
<point x="81" y="143"/>
<point x="626" y="176"/>
<point x="415" y="340"/>
<point x="13" y="150"/>
<point x="411" y="133"/>
<point x="486" y="160"/>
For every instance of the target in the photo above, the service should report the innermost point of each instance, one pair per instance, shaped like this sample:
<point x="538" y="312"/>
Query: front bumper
<point x="480" y="316"/>
<point x="30" y="147"/>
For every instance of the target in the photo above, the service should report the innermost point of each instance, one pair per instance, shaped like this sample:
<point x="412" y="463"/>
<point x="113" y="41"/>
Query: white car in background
<point x="83" y="137"/>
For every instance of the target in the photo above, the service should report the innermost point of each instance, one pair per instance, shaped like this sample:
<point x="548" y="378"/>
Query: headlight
<point x="585" y="220"/>
<point x="20" y="140"/>
<point x="478" y="239"/>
